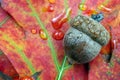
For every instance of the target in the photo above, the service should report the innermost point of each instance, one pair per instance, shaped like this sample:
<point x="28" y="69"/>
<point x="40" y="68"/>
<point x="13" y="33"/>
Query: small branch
<point x="67" y="67"/>
<point x="41" y="25"/>
<point x="62" y="69"/>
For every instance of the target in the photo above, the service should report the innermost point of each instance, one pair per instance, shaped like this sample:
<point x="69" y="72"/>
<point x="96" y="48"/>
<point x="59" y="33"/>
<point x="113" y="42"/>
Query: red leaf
<point x="29" y="53"/>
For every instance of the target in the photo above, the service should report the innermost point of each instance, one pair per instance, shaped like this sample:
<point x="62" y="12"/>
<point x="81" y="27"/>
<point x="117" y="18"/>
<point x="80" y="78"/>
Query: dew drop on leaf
<point x="52" y="1"/>
<point x="49" y="8"/>
<point x="58" y="21"/>
<point x="90" y="12"/>
<point x="33" y="31"/>
<point x="98" y="17"/>
<point x="42" y="35"/>
<point x="58" y="35"/>
<point x="26" y="78"/>
<point x="44" y="9"/>
<point x="82" y="7"/>
<point x="103" y="8"/>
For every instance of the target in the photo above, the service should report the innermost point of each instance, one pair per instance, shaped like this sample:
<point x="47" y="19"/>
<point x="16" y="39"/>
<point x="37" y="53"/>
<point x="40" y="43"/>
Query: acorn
<point x="84" y="39"/>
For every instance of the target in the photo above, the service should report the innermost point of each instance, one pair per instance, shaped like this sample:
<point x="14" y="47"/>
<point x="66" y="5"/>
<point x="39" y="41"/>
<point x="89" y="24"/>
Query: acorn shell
<point x="79" y="47"/>
<point x="84" y="39"/>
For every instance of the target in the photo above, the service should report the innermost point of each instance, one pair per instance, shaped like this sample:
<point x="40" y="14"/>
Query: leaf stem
<point x="62" y="69"/>
<point x="20" y="51"/>
<point x="82" y="2"/>
<point x="50" y="43"/>
<point x="106" y="2"/>
<point x="4" y="21"/>
<point x="66" y="4"/>
<point x="59" y="76"/>
<point x="67" y="67"/>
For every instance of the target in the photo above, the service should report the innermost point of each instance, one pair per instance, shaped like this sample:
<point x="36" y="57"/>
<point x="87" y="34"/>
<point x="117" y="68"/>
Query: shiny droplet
<point x="52" y="1"/>
<point x="90" y="12"/>
<point x="99" y="7"/>
<point x="44" y="9"/>
<point x="103" y="8"/>
<point x="26" y="78"/>
<point x="98" y="17"/>
<point x="58" y="21"/>
<point x="50" y="8"/>
<point x="58" y="35"/>
<point x="113" y="44"/>
<point x="33" y="31"/>
<point x="82" y="7"/>
<point x="42" y="34"/>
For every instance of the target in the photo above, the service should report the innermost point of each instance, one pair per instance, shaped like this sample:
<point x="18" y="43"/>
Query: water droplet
<point x="113" y="44"/>
<point x="42" y="34"/>
<point x="58" y="21"/>
<point x="82" y="7"/>
<point x="26" y="78"/>
<point x="99" y="7"/>
<point x="90" y="12"/>
<point x="52" y="1"/>
<point x="98" y="17"/>
<point x="33" y="31"/>
<point x="50" y="8"/>
<point x="103" y="8"/>
<point x="44" y="9"/>
<point x="58" y="35"/>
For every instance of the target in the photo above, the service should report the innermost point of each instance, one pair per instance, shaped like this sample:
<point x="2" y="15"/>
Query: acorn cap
<point x="92" y="28"/>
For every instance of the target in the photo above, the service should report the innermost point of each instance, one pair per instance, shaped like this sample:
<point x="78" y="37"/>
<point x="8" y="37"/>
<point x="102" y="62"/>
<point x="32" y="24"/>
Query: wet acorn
<point x="84" y="39"/>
